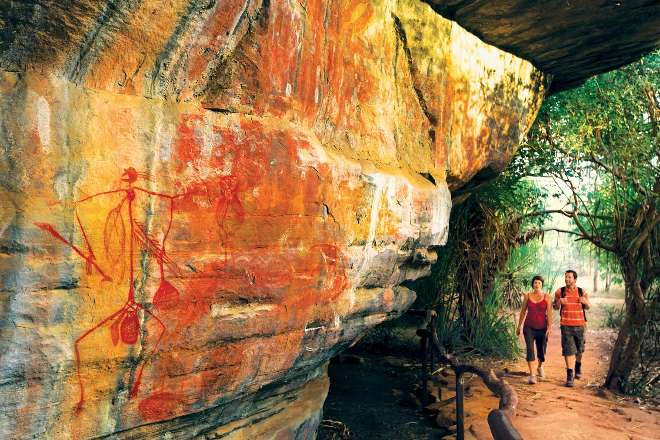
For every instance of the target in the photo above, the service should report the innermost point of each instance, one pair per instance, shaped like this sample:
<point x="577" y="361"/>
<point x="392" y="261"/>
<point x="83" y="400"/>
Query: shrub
<point x="614" y="316"/>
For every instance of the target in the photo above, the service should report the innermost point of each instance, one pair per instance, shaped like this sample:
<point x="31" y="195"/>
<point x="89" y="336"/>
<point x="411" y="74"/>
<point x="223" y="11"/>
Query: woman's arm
<point x="523" y="312"/>
<point x="549" y="315"/>
<point x="558" y="300"/>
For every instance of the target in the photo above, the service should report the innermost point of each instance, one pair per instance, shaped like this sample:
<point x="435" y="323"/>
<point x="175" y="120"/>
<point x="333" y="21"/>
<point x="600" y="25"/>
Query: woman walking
<point x="536" y="313"/>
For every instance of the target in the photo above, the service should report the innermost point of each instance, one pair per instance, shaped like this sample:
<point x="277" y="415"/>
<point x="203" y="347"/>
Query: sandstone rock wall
<point x="202" y="202"/>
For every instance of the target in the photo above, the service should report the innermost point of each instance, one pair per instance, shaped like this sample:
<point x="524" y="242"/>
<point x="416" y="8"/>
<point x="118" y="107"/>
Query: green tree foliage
<point x="485" y="226"/>
<point x="600" y="143"/>
<point x="514" y="279"/>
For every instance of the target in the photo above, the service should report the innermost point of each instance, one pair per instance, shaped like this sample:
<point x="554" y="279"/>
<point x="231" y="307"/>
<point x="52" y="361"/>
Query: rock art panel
<point x="229" y="255"/>
<point x="202" y="203"/>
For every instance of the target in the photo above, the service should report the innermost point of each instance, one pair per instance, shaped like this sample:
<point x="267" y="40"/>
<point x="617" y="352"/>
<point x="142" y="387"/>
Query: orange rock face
<point x="201" y="205"/>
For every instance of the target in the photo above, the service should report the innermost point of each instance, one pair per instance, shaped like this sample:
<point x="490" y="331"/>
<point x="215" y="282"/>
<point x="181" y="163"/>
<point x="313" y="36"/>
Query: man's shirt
<point x="571" y="313"/>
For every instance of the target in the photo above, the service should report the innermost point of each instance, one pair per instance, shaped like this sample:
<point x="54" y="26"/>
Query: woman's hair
<point x="537" y="277"/>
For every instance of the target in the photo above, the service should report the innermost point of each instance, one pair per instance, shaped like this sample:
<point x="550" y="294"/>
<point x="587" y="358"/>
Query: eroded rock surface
<point x="203" y="202"/>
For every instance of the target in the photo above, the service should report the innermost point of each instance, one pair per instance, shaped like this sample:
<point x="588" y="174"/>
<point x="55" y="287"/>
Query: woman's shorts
<point x="535" y="337"/>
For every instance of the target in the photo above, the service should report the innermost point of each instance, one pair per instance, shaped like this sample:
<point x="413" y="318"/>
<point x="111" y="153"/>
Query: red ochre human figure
<point x="125" y="321"/>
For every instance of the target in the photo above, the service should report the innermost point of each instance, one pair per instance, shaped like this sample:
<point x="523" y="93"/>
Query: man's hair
<point x="537" y="277"/>
<point x="573" y="272"/>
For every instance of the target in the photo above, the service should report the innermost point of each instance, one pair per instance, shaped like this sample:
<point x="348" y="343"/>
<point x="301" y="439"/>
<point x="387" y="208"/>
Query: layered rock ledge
<point x="203" y="202"/>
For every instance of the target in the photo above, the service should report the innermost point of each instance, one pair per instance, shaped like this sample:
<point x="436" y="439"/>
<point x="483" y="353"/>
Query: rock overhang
<point x="570" y="41"/>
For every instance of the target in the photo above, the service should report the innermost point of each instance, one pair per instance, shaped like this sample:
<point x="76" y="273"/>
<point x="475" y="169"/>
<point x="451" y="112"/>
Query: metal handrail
<point x="499" y="420"/>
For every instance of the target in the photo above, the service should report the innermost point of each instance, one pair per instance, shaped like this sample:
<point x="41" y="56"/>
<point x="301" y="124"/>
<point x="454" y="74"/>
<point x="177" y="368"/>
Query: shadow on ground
<point x="370" y="395"/>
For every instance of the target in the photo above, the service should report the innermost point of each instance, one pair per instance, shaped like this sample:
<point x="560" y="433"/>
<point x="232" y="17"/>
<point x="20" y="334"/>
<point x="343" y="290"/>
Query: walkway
<point x="549" y="410"/>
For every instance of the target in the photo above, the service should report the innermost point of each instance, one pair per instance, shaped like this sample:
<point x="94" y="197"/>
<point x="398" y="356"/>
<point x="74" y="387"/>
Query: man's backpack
<point x="580" y="293"/>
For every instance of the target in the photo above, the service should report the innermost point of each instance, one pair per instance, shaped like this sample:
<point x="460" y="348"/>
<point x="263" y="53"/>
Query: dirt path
<point x="550" y="410"/>
<point x="373" y="398"/>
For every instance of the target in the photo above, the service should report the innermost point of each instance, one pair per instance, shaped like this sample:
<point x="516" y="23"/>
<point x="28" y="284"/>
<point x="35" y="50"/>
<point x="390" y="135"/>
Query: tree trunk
<point x="608" y="281"/>
<point x="470" y="301"/>
<point x="625" y="355"/>
<point x="595" y="275"/>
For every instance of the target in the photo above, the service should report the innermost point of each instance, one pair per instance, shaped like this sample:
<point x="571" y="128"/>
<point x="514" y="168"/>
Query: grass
<point x="492" y="335"/>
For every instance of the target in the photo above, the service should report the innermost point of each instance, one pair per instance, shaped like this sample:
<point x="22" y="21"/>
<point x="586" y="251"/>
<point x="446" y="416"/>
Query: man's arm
<point x="584" y="299"/>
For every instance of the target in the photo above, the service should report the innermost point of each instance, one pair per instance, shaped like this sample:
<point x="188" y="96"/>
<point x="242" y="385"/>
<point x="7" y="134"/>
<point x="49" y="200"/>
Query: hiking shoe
<point x="569" y="378"/>
<point x="578" y="370"/>
<point x="540" y="372"/>
<point x="531" y="380"/>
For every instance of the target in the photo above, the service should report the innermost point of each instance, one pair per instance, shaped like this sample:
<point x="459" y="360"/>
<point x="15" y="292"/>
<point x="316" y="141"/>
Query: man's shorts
<point x="572" y="340"/>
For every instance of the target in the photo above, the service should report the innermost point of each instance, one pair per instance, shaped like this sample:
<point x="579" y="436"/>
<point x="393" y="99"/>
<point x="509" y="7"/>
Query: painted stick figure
<point x="125" y="322"/>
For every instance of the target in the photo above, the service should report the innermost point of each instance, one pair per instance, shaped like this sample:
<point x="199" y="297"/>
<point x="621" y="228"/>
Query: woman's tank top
<point x="536" y="314"/>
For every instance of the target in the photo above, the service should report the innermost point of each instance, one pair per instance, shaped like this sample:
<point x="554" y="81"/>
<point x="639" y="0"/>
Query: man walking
<point x="573" y="301"/>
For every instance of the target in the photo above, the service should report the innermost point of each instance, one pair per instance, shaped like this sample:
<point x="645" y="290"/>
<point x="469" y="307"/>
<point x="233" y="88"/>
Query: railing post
<point x="431" y="362"/>
<point x="499" y="420"/>
<point x="431" y="331"/>
<point x="460" y="431"/>
<point x="424" y="372"/>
